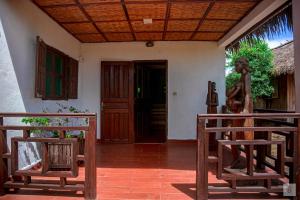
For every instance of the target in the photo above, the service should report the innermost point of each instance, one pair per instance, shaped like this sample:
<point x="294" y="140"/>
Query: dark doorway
<point x="150" y="101"/>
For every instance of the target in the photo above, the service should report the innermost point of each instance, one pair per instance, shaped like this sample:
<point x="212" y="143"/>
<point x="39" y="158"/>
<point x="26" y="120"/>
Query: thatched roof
<point x="277" y="23"/>
<point x="284" y="59"/>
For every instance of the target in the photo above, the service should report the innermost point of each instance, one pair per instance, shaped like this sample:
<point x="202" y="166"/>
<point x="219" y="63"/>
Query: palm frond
<point x="276" y="24"/>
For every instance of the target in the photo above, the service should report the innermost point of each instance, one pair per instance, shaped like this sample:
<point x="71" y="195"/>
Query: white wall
<point x="20" y="23"/>
<point x="190" y="66"/>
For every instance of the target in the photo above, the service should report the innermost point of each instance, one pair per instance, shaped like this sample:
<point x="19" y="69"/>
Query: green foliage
<point x="45" y="121"/>
<point x="260" y="59"/>
<point x="36" y="121"/>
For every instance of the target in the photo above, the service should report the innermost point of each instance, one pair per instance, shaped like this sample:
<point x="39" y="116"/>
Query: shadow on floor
<point x="188" y="189"/>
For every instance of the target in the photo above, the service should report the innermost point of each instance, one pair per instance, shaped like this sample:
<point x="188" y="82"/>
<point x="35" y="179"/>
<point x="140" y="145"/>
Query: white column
<point x="296" y="21"/>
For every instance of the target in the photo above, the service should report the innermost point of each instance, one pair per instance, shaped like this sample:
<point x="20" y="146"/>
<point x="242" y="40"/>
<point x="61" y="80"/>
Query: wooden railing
<point x="287" y="155"/>
<point x="16" y="178"/>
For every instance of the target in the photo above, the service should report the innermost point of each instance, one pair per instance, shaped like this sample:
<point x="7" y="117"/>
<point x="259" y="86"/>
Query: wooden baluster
<point x="74" y="162"/>
<point x="62" y="134"/>
<point x="220" y="161"/>
<point x="294" y="145"/>
<point x="62" y="181"/>
<point x="280" y="158"/>
<point x="297" y="160"/>
<point x="250" y="159"/>
<point x="26" y="134"/>
<point x="279" y="162"/>
<point x="289" y="144"/>
<point x="233" y="135"/>
<point x="201" y="168"/>
<point x="90" y="160"/>
<point x="14" y="156"/>
<point x="27" y="180"/>
<point x="3" y="162"/>
<point x="233" y="183"/>
<point x="45" y="158"/>
<point x="268" y="184"/>
<point x="269" y="148"/>
<point x="262" y="150"/>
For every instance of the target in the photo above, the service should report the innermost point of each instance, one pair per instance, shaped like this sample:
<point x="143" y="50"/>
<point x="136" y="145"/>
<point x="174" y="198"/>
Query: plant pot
<point x="60" y="156"/>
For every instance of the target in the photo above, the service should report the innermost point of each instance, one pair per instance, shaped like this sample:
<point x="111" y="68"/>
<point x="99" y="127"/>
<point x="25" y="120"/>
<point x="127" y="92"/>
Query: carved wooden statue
<point x="212" y="103"/>
<point x="239" y="100"/>
<point x="212" y="100"/>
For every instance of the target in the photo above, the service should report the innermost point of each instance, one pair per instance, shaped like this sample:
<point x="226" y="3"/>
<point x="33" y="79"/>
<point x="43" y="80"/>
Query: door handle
<point x="102" y="104"/>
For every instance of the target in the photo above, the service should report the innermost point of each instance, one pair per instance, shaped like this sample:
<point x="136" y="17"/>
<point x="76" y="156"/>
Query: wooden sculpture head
<point x="242" y="65"/>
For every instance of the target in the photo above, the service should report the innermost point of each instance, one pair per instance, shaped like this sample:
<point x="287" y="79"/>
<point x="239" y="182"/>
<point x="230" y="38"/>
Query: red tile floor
<point x="141" y="171"/>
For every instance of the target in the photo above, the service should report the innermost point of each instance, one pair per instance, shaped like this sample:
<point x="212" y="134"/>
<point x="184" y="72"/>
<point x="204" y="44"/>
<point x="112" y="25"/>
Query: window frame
<point x="68" y="76"/>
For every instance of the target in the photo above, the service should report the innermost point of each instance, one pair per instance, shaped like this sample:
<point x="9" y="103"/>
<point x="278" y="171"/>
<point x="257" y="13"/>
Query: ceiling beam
<point x="203" y="18"/>
<point x="168" y="11"/>
<point x="262" y="10"/>
<point x="153" y="32"/>
<point x="144" y="2"/>
<point x="51" y="17"/>
<point x="128" y="19"/>
<point x="155" y="20"/>
<point x="90" y="19"/>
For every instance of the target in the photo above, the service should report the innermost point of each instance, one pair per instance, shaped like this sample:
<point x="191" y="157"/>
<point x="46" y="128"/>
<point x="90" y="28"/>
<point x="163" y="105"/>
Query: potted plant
<point x="59" y="154"/>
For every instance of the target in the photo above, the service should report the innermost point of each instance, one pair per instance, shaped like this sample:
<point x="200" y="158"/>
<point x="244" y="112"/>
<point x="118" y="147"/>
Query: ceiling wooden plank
<point x="157" y="25"/>
<point x="177" y="19"/>
<point x="139" y="11"/>
<point x="200" y="36"/>
<point x="51" y="17"/>
<point x="148" y="2"/>
<point x="154" y="32"/>
<point x="67" y="14"/>
<point x="171" y="24"/>
<point x="148" y="36"/>
<point x="122" y="26"/>
<point x="119" y="37"/>
<point x="90" y="37"/>
<point x="216" y="25"/>
<point x="184" y="10"/>
<point x="178" y="36"/>
<point x="81" y="28"/>
<point x="230" y="10"/>
<point x="246" y="15"/>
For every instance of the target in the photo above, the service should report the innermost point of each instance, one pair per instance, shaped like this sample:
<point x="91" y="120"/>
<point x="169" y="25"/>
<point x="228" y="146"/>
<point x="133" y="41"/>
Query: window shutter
<point x="73" y="79"/>
<point x="40" y="73"/>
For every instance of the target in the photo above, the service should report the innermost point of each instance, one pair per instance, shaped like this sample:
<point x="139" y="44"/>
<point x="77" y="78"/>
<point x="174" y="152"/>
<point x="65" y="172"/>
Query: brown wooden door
<point x="117" y="102"/>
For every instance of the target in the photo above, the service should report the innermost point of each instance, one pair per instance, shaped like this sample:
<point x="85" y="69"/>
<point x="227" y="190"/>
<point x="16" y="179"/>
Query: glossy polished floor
<point x="142" y="171"/>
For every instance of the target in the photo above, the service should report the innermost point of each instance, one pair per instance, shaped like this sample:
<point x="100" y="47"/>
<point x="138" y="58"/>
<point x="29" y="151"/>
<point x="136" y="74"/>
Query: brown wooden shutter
<point x="73" y="79"/>
<point x="40" y="73"/>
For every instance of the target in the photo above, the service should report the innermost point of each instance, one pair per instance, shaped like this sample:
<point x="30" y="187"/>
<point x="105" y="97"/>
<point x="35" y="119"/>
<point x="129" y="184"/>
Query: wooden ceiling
<point x="93" y="21"/>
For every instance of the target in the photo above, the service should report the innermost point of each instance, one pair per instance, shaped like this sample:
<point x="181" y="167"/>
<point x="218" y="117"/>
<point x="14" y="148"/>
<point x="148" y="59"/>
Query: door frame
<point x="165" y="62"/>
<point x="132" y="138"/>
